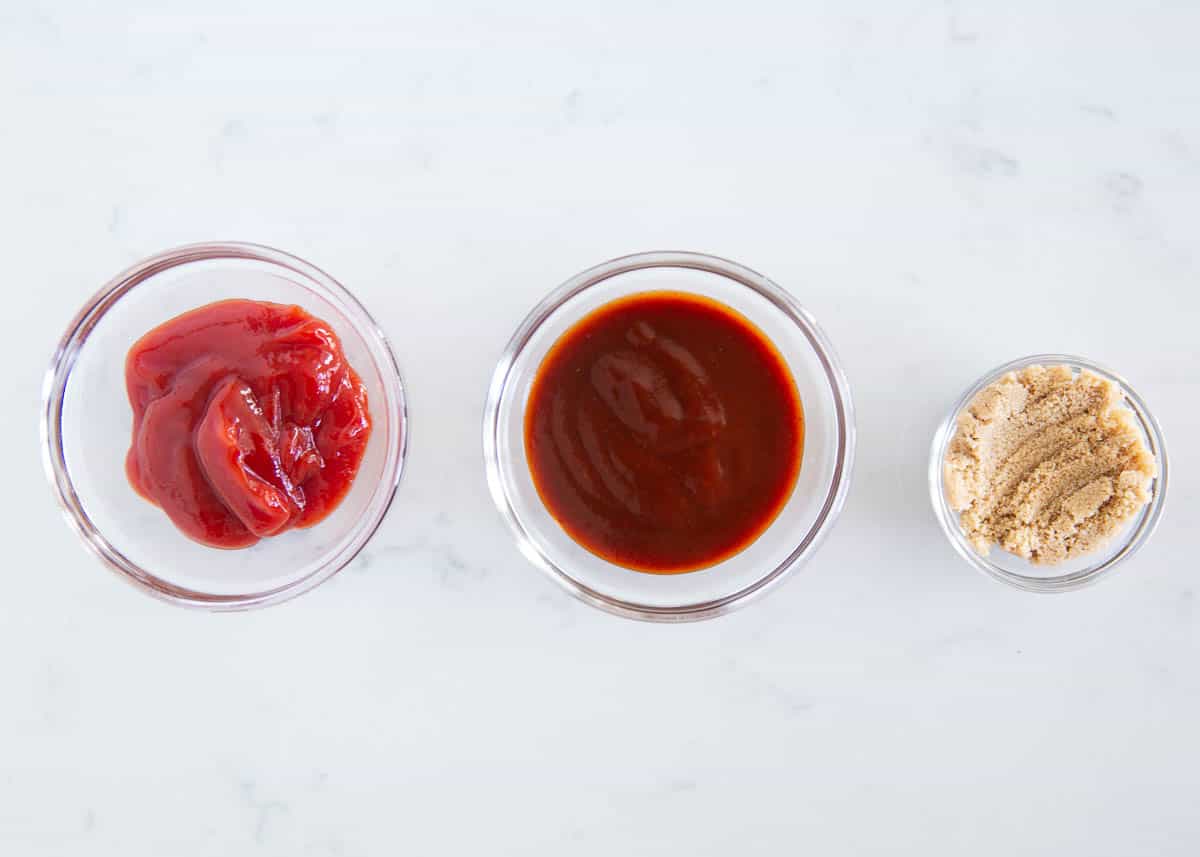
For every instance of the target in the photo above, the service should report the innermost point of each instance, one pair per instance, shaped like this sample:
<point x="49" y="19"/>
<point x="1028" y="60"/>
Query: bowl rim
<point x="1135" y="537"/>
<point x="783" y="302"/>
<point x="63" y="362"/>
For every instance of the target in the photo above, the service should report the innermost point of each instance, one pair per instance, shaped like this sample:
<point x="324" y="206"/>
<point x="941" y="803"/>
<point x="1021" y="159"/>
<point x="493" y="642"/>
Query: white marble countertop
<point x="945" y="185"/>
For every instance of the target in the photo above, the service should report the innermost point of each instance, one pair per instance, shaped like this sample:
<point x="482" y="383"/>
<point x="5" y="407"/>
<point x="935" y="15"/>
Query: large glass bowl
<point x="87" y="422"/>
<point x="795" y="534"/>
<point x="1073" y="574"/>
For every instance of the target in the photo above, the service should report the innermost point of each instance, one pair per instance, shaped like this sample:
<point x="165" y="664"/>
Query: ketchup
<point x="247" y="421"/>
<point x="664" y="432"/>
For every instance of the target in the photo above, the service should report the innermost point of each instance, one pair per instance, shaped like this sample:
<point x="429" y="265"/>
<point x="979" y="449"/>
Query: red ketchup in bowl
<point x="247" y="421"/>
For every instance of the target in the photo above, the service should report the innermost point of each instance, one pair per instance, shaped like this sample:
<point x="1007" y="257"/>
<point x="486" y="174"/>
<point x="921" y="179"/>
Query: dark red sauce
<point x="247" y="421"/>
<point x="664" y="432"/>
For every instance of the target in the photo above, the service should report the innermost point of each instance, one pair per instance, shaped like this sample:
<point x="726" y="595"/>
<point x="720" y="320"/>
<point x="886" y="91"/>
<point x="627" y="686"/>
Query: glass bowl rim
<point x="1131" y="542"/>
<point x="63" y="362"/>
<point x="781" y="301"/>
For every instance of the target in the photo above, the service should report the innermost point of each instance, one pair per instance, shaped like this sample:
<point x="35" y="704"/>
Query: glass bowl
<point x="1084" y="570"/>
<point x="795" y="534"/>
<point x="87" y="423"/>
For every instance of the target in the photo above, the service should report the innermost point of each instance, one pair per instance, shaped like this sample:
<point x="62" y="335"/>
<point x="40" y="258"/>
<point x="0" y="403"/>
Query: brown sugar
<point x="1047" y="464"/>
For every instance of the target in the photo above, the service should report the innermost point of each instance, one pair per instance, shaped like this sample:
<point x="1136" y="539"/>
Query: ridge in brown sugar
<point x="1047" y="464"/>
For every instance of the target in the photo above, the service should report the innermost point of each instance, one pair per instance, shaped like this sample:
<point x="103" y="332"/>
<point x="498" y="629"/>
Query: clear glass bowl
<point x="87" y="422"/>
<point x="1073" y="574"/>
<point x="794" y="535"/>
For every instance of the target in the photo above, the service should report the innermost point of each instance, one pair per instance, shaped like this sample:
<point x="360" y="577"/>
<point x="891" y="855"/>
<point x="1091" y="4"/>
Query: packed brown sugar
<point x="1047" y="464"/>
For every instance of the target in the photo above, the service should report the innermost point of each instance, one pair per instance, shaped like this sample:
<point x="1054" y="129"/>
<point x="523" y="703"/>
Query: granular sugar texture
<point x="1047" y="464"/>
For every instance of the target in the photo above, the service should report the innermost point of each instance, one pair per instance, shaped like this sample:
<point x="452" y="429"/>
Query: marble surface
<point x="946" y="185"/>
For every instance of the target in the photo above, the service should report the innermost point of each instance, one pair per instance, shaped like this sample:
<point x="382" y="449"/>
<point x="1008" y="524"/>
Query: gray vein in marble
<point x="955" y="32"/>
<point x="262" y="809"/>
<point x="1100" y="111"/>
<point x="984" y="162"/>
<point x="38" y="23"/>
<point x="54" y="693"/>
<point x="326" y="122"/>
<point x="1179" y="146"/>
<point x="682" y="785"/>
<point x="170" y="64"/>
<point x="1185" y="606"/>
<point x="1123" y="189"/>
<point x="451" y="570"/>
<point x="231" y="133"/>
<point x="949" y="644"/>
<point x="233" y="129"/>
<point x="579" y="108"/>
<point x="562" y="605"/>
<point x="767" y="688"/>
<point x="571" y="106"/>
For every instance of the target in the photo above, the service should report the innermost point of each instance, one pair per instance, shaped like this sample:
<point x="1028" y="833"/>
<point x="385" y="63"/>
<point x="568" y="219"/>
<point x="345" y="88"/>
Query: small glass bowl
<point x="1073" y="574"/>
<point x="794" y="535"/>
<point x="87" y="424"/>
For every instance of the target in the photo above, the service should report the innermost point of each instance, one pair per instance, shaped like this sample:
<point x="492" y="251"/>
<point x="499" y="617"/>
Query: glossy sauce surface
<point x="247" y="421"/>
<point x="664" y="432"/>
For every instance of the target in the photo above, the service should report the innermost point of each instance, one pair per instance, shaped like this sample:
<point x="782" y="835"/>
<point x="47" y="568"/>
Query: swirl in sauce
<point x="664" y="432"/>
